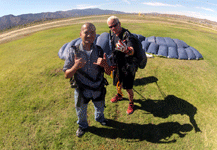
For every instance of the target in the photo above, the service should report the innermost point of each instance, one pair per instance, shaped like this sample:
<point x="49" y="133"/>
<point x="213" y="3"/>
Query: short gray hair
<point x="113" y="18"/>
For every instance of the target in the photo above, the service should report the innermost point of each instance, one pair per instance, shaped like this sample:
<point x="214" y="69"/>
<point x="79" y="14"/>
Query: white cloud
<point x="193" y="14"/>
<point x="160" y="4"/>
<point x="207" y="9"/>
<point x="200" y="1"/>
<point x="126" y="1"/>
<point x="85" y="6"/>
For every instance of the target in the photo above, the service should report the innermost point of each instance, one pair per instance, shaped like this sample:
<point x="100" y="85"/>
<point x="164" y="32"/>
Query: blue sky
<point x="196" y="8"/>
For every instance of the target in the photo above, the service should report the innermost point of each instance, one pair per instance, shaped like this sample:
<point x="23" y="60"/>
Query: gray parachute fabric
<point x="141" y="37"/>
<point x="63" y="52"/>
<point x="172" y="52"/>
<point x="196" y="53"/>
<point x="153" y="48"/>
<point x="161" y="41"/>
<point x="145" y="45"/>
<point x="170" y="48"/>
<point x="150" y="39"/>
<point x="159" y="46"/>
<point x="169" y="42"/>
<point x="103" y="42"/>
<point x="163" y="50"/>
<point x="182" y="53"/>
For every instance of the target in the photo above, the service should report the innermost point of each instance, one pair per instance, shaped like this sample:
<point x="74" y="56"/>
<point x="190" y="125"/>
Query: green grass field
<point x="37" y="106"/>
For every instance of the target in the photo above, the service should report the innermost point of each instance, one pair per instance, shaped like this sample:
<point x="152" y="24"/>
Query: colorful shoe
<point x="130" y="108"/>
<point x="116" y="98"/>
<point x="80" y="132"/>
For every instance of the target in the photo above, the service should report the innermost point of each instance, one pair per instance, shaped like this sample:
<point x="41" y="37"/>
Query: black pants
<point x="126" y="80"/>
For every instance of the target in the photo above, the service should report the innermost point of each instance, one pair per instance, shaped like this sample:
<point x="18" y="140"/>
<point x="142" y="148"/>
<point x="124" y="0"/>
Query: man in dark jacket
<point x="122" y="60"/>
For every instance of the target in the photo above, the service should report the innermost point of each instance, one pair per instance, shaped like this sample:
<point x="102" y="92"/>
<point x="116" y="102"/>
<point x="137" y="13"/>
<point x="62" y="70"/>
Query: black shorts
<point x="126" y="80"/>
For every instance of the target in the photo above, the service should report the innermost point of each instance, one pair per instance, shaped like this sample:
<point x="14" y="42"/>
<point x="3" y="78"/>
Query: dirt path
<point x="20" y="33"/>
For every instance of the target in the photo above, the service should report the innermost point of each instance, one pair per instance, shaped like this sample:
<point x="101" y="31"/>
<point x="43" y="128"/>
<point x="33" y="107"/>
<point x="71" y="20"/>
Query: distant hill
<point x="9" y="21"/>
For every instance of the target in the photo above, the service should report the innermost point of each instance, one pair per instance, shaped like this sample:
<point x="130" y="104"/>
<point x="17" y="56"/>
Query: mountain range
<point x="10" y="21"/>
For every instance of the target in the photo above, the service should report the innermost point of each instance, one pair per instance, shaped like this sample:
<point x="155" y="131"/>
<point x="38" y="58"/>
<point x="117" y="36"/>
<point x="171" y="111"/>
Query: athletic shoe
<point x="130" y="108"/>
<point x="118" y="97"/>
<point x="104" y="123"/>
<point x="80" y="132"/>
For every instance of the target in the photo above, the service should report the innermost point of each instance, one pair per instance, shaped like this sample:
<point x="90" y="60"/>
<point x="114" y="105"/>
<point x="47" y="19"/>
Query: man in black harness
<point x="123" y="60"/>
<point x="87" y="65"/>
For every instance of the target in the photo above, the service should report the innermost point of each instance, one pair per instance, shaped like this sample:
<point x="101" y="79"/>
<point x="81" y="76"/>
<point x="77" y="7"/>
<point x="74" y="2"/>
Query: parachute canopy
<point x="160" y="46"/>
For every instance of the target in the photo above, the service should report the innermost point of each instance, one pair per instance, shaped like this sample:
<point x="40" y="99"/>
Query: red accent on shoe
<point x="130" y="109"/>
<point x="116" y="98"/>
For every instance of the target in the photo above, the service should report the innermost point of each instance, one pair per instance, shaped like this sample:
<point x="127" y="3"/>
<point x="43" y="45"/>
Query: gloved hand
<point x="121" y="46"/>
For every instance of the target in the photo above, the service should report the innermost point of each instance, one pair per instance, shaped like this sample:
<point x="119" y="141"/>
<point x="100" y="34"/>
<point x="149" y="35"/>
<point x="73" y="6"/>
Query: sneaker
<point x="130" y="108"/>
<point x="80" y="132"/>
<point x="104" y="123"/>
<point x="116" y="98"/>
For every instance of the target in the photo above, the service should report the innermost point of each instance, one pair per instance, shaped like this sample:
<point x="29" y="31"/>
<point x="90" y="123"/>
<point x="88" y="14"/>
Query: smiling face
<point x="88" y="33"/>
<point x="114" y="26"/>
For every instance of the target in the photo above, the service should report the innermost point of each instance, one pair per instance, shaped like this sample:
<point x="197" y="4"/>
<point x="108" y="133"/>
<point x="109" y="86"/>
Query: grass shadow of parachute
<point x="159" y="46"/>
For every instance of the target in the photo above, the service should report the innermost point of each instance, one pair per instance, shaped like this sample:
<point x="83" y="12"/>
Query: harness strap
<point x="100" y="54"/>
<point x="119" y="88"/>
<point x="81" y="87"/>
<point x="84" y="86"/>
<point x="89" y="77"/>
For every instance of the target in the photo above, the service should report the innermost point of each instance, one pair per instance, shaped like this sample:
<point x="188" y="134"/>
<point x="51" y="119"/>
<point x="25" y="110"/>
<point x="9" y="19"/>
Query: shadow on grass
<point x="160" y="133"/>
<point x="145" y="80"/>
<point x="169" y="106"/>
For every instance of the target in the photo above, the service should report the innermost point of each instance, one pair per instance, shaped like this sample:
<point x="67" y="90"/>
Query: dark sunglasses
<point x="113" y="25"/>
